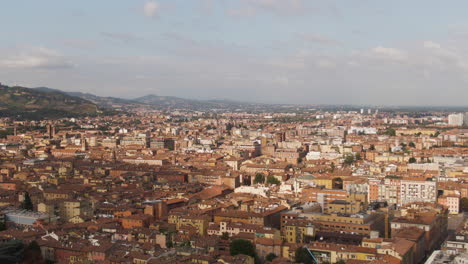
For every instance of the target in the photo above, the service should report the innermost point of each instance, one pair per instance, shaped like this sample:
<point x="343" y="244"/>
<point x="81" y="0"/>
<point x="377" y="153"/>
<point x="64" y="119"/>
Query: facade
<point x="24" y="218"/>
<point x="456" y="119"/>
<point x="418" y="191"/>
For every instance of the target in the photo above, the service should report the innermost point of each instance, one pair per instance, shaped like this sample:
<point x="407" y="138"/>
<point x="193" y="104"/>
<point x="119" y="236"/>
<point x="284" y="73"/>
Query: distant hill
<point x="42" y="103"/>
<point x="101" y="101"/>
<point x="181" y="103"/>
<point x="153" y="101"/>
<point x="168" y="101"/>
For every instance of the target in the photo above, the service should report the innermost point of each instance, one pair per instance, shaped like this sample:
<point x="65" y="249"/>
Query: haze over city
<point x="270" y="51"/>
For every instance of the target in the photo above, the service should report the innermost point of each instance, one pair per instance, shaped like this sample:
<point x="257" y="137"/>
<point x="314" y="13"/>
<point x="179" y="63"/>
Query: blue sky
<point x="282" y="51"/>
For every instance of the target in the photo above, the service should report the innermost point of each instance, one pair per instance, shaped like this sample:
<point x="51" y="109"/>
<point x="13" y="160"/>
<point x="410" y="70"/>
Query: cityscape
<point x="145" y="132"/>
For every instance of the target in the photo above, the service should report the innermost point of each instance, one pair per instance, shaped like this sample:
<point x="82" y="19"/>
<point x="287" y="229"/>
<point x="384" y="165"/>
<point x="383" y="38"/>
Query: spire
<point x="83" y="143"/>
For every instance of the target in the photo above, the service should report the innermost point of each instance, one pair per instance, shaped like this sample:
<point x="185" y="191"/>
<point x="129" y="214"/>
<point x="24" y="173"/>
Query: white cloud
<point x="150" y="9"/>
<point x="35" y="57"/>
<point x="431" y="45"/>
<point x="390" y="53"/>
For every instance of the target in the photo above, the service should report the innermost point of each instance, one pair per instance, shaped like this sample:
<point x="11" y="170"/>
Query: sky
<point x="373" y="52"/>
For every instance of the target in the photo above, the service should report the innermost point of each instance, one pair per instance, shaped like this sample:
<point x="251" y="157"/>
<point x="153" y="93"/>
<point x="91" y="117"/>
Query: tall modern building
<point x="456" y="119"/>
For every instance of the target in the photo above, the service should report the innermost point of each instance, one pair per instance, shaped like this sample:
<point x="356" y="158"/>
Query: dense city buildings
<point x="183" y="186"/>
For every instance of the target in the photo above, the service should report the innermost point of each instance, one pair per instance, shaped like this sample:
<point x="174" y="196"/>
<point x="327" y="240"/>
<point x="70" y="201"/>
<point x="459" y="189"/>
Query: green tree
<point x="225" y="236"/>
<point x="358" y="156"/>
<point x="270" y="257"/>
<point x="27" y="203"/>
<point x="2" y="226"/>
<point x="33" y="253"/>
<point x="372" y="147"/>
<point x="259" y="178"/>
<point x="242" y="246"/>
<point x="273" y="180"/>
<point x="5" y="133"/>
<point x="412" y="160"/>
<point x="349" y="159"/>
<point x="303" y="256"/>
<point x="391" y="132"/>
<point x="464" y="204"/>
<point x="412" y="145"/>
<point x="229" y="126"/>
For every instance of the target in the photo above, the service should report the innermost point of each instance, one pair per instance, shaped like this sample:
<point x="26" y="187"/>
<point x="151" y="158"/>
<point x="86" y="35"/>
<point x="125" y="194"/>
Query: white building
<point x="313" y="155"/>
<point x="456" y="119"/>
<point x="365" y="130"/>
<point x="417" y="191"/>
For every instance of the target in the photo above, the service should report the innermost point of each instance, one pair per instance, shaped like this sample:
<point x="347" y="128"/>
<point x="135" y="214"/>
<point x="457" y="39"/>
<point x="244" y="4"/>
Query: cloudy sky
<point x="375" y="52"/>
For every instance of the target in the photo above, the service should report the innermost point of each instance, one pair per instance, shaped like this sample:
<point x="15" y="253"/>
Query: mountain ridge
<point x="34" y="104"/>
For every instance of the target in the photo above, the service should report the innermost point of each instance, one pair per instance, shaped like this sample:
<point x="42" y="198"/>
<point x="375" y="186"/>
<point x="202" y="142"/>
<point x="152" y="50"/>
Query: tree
<point x="412" y="160"/>
<point x="225" y="236"/>
<point x="358" y="156"/>
<point x="273" y="180"/>
<point x="259" y="178"/>
<point x="303" y="256"/>
<point x="242" y="246"/>
<point x="27" y="203"/>
<point x="33" y="253"/>
<point x="412" y="145"/>
<point x="391" y="132"/>
<point x="270" y="257"/>
<point x="349" y="159"/>
<point x="5" y="133"/>
<point x="464" y="204"/>
<point x="372" y="147"/>
<point x="2" y="226"/>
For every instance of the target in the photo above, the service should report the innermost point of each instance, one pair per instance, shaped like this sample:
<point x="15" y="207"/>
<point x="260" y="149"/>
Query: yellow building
<point x="334" y="252"/>
<point x="416" y="131"/>
<point x="71" y="208"/>
<point x="327" y="182"/>
<point x="344" y="207"/>
<point x="200" y="223"/>
<point x="297" y="231"/>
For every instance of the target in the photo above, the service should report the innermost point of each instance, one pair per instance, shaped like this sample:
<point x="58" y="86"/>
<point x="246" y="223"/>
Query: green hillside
<point x="34" y="104"/>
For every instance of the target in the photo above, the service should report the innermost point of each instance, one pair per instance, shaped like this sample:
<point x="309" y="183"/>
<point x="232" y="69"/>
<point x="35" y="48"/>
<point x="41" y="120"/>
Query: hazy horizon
<point x="362" y="52"/>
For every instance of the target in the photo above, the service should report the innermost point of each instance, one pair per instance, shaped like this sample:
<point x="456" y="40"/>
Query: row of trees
<point x="260" y="179"/>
